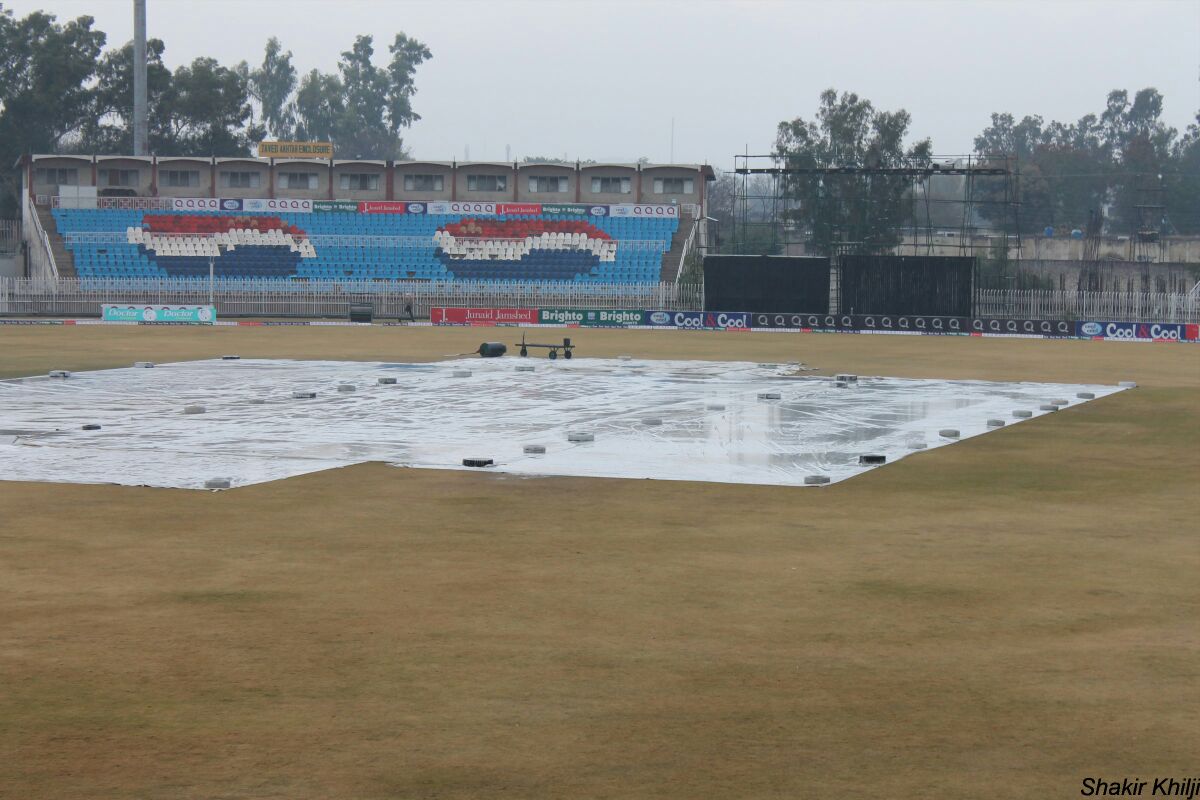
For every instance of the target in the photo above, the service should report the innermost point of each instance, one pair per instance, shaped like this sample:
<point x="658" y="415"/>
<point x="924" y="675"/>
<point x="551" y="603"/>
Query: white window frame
<point x="559" y="181"/>
<point x="104" y="177"/>
<point x="436" y="181"/>
<point x="598" y="182"/>
<point x="687" y="184"/>
<point x="501" y="183"/>
<point x="170" y="177"/>
<point x="41" y="174"/>
<point x="354" y="181"/>
<point x="311" y="182"/>
<point x="253" y="179"/>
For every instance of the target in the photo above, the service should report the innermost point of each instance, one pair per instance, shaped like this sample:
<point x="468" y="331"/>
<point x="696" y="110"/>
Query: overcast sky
<point x="603" y="80"/>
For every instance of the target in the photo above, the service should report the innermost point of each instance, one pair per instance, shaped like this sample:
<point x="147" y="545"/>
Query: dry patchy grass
<point x="998" y="618"/>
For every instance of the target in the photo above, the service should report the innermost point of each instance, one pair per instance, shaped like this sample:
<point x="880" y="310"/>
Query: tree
<point x="1106" y="164"/>
<point x="207" y="111"/>
<point x="362" y="108"/>
<point x="109" y="129"/>
<point x="1182" y="183"/>
<point x="1141" y="146"/>
<point x="45" y="69"/>
<point x="862" y="212"/>
<point x="272" y="85"/>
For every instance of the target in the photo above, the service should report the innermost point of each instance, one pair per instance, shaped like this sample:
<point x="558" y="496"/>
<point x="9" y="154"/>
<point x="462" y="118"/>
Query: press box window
<point x="487" y="183"/>
<point x="297" y="180"/>
<point x="118" y="177"/>
<point x="542" y="184"/>
<point x="359" y="182"/>
<point x="240" y="180"/>
<point x="56" y="177"/>
<point x="610" y="186"/>
<point x="673" y="185"/>
<point x="179" y="177"/>
<point x="423" y="183"/>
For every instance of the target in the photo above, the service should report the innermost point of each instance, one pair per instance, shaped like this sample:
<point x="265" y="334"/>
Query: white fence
<point x="1099" y="306"/>
<point x="256" y="298"/>
<point x="273" y="298"/>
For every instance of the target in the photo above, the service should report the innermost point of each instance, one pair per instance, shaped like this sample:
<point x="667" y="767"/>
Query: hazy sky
<point x="603" y="80"/>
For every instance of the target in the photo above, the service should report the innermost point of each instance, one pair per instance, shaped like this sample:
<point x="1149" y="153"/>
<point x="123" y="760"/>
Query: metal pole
<point x="210" y="280"/>
<point x="139" y="78"/>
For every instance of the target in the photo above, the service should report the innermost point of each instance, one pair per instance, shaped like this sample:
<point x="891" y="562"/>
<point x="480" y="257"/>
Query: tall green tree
<point x="46" y="68"/>
<point x="362" y="108"/>
<point x="109" y="128"/>
<point x="1104" y="164"/>
<point x="208" y="112"/>
<point x="272" y="85"/>
<point x="852" y="211"/>
<point x="1182" y="183"/>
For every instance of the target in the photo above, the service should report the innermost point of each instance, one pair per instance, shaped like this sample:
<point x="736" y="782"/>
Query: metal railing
<point x="168" y="203"/>
<point x="41" y="255"/>
<point x="689" y="244"/>
<point x="1099" y="306"/>
<point x="361" y="242"/>
<point x="10" y="235"/>
<point x="82" y="297"/>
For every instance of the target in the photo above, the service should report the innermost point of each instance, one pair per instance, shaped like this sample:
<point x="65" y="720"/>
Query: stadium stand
<point x="435" y="221"/>
<point x="544" y="247"/>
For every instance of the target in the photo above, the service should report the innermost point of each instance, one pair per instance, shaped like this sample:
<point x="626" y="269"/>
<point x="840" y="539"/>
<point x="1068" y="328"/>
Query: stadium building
<point x="157" y="217"/>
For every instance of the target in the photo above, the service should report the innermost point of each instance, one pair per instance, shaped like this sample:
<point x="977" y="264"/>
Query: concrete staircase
<point x="63" y="258"/>
<point x="670" y="262"/>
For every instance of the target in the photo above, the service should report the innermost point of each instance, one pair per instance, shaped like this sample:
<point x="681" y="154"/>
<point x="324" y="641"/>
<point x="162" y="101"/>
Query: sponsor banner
<point x="724" y="320"/>
<point x="1157" y="331"/>
<point x="590" y="318"/>
<point x="573" y="210"/>
<point x="861" y="322"/>
<point x="1027" y="327"/>
<point x="278" y="204"/>
<point x="441" y="315"/>
<point x="335" y="205"/>
<point x="628" y="210"/>
<point x="381" y="207"/>
<point x="518" y="208"/>
<point x="295" y="150"/>
<point x="673" y="319"/>
<point x="195" y="204"/>
<point x="111" y="312"/>
<point x="415" y="208"/>
<point x="804" y="321"/>
<point x="461" y="208"/>
<point x="231" y="204"/>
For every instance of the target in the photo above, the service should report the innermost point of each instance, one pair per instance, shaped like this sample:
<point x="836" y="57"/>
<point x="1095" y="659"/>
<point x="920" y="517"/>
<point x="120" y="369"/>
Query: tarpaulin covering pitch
<point x="672" y="420"/>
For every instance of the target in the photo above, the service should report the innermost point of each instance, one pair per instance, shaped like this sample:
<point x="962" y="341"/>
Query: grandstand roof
<point x="705" y="169"/>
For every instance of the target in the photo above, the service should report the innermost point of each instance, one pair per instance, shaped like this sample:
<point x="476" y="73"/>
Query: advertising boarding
<point x="590" y="317"/>
<point x="446" y="315"/>
<point x="1154" y="331"/>
<point x="698" y="320"/>
<point x="194" y="315"/>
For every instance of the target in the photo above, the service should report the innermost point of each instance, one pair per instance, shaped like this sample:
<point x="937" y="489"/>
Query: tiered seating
<point x="349" y="246"/>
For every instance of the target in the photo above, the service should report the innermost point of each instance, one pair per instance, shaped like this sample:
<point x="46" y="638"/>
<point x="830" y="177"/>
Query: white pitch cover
<point x="713" y="425"/>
